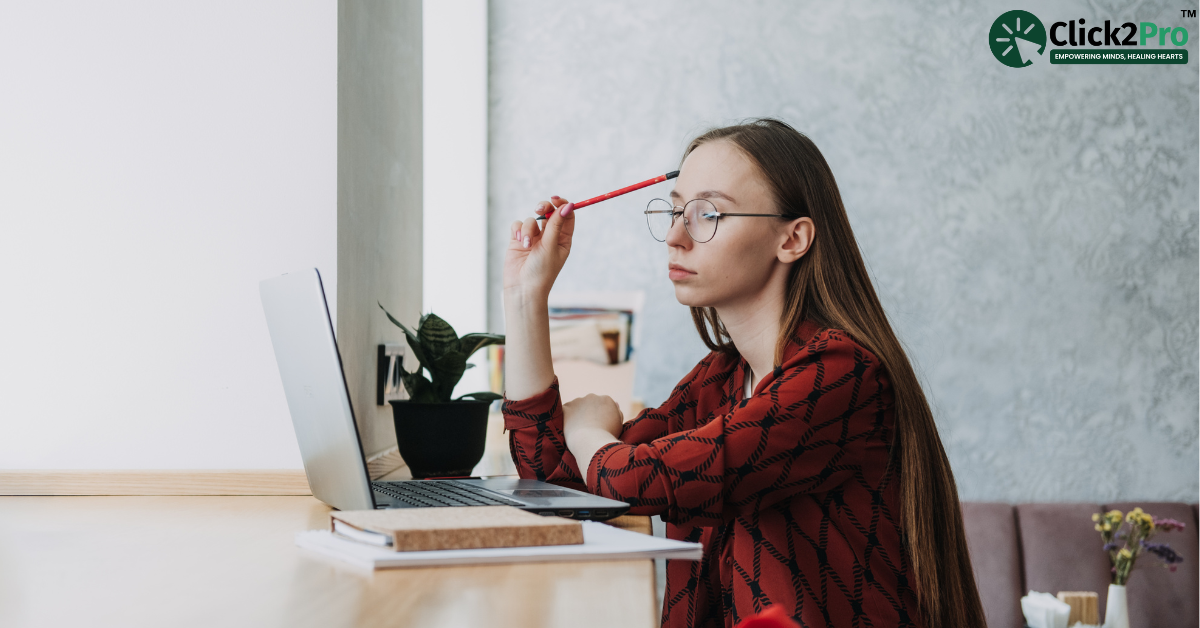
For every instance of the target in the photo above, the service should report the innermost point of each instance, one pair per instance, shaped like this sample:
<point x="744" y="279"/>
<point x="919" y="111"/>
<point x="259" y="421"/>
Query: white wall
<point x="156" y="161"/>
<point x="455" y="182"/>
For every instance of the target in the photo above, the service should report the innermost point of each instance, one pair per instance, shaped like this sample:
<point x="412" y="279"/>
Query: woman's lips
<point x="677" y="272"/>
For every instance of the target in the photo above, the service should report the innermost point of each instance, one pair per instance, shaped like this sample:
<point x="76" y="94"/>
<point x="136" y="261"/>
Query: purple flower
<point x="1108" y="547"/>
<point x="1163" y="551"/>
<point x="1167" y="525"/>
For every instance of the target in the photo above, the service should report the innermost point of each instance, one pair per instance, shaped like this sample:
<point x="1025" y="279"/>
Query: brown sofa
<point x="1053" y="547"/>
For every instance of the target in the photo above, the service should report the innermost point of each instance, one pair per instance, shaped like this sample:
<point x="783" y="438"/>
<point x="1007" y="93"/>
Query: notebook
<point x="422" y="529"/>
<point x="600" y="542"/>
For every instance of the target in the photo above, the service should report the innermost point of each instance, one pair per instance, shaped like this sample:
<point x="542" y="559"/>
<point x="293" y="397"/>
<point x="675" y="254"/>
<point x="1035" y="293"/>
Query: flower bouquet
<point x="1126" y="537"/>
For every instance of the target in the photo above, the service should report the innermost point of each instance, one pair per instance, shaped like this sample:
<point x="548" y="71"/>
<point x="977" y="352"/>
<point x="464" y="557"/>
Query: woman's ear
<point x="799" y="237"/>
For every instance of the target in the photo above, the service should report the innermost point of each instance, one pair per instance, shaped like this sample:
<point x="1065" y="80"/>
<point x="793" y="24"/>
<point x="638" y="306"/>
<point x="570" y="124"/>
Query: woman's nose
<point x="677" y="235"/>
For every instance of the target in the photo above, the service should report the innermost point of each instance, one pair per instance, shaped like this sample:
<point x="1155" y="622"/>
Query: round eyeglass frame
<point x="679" y="210"/>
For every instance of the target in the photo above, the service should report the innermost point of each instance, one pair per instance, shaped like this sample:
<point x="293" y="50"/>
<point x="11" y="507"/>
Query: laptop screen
<point x="315" y="386"/>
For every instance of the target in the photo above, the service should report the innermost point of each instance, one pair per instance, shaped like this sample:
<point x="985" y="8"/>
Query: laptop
<point x="315" y="386"/>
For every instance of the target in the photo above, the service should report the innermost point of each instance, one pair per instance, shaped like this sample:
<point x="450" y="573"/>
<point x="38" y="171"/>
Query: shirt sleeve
<point x="679" y="409"/>
<point x="826" y="413"/>
<point x="535" y="426"/>
<point x="535" y="439"/>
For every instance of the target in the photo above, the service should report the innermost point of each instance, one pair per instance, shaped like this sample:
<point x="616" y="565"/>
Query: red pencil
<point x="636" y="186"/>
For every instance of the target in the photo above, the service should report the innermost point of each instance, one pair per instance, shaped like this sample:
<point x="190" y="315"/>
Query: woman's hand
<point x="590" y="423"/>
<point x="535" y="256"/>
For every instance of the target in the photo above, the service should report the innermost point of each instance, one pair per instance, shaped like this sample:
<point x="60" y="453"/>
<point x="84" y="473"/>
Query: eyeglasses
<point x="700" y="218"/>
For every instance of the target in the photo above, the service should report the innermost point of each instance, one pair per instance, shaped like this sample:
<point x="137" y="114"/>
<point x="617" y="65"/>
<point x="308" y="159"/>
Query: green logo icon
<point x="1016" y="38"/>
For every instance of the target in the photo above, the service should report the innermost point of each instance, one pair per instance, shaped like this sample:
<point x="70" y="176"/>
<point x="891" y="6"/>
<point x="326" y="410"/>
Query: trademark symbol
<point x="1188" y="12"/>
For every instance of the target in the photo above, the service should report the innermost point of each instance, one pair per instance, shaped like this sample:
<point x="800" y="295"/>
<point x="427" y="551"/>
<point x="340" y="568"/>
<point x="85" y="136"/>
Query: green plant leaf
<point x="394" y="321"/>
<point x="419" y="389"/>
<point x="413" y="341"/>
<point x="441" y="353"/>
<point x="415" y="345"/>
<point x="437" y="336"/>
<point x="483" y="396"/>
<point x="471" y="343"/>
<point x="445" y="371"/>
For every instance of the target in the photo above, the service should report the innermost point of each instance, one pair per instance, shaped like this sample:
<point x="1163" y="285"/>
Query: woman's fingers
<point x="526" y="232"/>
<point x="545" y="207"/>
<point x="561" y="221"/>
<point x="529" y="232"/>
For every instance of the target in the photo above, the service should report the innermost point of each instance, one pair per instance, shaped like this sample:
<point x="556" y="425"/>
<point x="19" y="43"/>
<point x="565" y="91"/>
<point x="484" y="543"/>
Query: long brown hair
<point x="830" y="286"/>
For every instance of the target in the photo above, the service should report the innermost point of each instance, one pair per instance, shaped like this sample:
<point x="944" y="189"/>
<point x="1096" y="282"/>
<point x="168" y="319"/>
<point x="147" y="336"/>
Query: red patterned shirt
<point x="786" y="489"/>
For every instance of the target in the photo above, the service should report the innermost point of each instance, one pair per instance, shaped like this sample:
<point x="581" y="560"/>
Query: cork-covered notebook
<point x="474" y="527"/>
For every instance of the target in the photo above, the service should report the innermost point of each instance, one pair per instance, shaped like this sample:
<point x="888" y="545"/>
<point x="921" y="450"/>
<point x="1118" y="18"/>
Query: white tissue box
<point x="1043" y="610"/>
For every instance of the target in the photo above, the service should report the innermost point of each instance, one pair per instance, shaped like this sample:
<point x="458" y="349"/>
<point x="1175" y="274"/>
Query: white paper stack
<point x="600" y="542"/>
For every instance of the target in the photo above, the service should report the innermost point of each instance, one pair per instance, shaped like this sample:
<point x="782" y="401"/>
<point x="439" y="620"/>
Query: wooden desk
<point x="230" y="561"/>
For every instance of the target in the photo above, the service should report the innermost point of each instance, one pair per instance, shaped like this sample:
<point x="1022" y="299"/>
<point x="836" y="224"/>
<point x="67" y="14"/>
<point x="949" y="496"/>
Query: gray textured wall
<point x="379" y="194"/>
<point x="1032" y="232"/>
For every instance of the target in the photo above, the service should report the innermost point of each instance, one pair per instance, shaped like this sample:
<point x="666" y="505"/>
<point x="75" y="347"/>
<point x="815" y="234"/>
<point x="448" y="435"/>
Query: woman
<point x="801" y="451"/>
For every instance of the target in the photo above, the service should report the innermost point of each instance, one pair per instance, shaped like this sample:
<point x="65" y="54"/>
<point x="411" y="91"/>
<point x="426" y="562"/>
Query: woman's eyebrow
<point x="708" y="194"/>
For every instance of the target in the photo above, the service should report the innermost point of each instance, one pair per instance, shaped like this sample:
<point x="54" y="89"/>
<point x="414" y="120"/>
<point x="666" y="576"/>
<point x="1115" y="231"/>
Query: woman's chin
<point x="688" y="296"/>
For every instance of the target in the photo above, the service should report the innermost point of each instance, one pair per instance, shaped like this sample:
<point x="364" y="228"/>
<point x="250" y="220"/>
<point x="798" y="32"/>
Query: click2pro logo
<point x="1016" y="38"/>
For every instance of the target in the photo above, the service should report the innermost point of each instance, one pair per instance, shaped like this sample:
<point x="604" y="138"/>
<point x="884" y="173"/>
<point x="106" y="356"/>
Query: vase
<point x="1116" y="612"/>
<point x="441" y="439"/>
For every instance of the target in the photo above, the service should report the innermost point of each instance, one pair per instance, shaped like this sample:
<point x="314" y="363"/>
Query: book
<point x="600" y="542"/>
<point x="474" y="527"/>
<point x="614" y="313"/>
<point x="582" y="340"/>
<point x="495" y="356"/>
<point x="613" y="328"/>
<point x="587" y="326"/>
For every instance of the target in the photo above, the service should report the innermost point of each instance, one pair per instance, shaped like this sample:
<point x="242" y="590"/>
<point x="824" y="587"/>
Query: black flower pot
<point x="441" y="439"/>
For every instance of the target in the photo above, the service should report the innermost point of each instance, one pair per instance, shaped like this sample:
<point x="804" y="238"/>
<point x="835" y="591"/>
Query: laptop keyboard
<point x="441" y="493"/>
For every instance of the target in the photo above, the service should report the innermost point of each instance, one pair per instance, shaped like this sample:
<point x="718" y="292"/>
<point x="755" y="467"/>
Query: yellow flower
<point x="1098" y="528"/>
<point x="1141" y="519"/>
<point x="1096" y="517"/>
<point x="1125" y="553"/>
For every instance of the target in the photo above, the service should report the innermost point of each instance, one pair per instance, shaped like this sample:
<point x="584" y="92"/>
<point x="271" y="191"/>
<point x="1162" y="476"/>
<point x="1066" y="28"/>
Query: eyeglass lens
<point x="699" y="218"/>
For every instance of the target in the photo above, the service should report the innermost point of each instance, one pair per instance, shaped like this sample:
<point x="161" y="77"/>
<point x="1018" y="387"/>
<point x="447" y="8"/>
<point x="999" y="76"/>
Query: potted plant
<point x="439" y="436"/>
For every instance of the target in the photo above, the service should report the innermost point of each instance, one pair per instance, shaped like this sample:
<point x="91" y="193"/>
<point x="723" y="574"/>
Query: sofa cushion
<point x="1158" y="597"/>
<point x="996" y="560"/>
<point x="1062" y="550"/>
